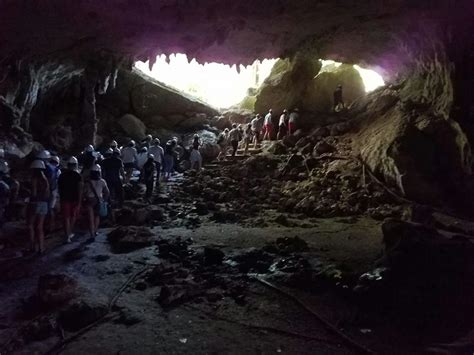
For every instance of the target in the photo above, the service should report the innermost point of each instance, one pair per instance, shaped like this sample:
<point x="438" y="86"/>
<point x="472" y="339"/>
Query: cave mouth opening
<point x="224" y="86"/>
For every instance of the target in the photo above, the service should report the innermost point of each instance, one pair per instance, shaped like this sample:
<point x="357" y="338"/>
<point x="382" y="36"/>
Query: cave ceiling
<point x="233" y="32"/>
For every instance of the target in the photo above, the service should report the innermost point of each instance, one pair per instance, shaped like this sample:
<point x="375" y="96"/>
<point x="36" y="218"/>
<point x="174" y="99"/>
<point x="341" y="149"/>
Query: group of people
<point x="92" y="181"/>
<point x="260" y="128"/>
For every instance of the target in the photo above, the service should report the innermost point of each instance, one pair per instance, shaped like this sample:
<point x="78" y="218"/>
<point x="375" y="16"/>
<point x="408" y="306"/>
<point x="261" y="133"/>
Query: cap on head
<point x="55" y="159"/>
<point x="234" y="125"/>
<point x="131" y="143"/>
<point x="89" y="148"/>
<point x="143" y="149"/>
<point x="196" y="136"/>
<point x="4" y="168"/>
<point x="175" y="139"/>
<point x="285" y="110"/>
<point x="270" y="110"/>
<point x="149" y="137"/>
<point x="96" y="167"/>
<point x="72" y="161"/>
<point x="37" y="164"/>
<point x="44" y="154"/>
<point x="151" y="156"/>
<point x="156" y="141"/>
<point x="109" y="151"/>
<point x="113" y="144"/>
<point x="116" y="151"/>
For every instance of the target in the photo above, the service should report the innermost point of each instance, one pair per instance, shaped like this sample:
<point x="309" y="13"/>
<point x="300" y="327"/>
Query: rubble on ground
<point x="127" y="239"/>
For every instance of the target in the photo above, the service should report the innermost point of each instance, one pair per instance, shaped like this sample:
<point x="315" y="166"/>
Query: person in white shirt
<point x="282" y="129"/>
<point x="257" y="126"/>
<point x="158" y="153"/>
<point x="129" y="157"/>
<point x="293" y="121"/>
<point x="268" y="125"/>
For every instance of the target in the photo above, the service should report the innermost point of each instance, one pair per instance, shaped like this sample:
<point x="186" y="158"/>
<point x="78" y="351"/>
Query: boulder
<point x="318" y="96"/>
<point x="286" y="84"/>
<point x="132" y="126"/>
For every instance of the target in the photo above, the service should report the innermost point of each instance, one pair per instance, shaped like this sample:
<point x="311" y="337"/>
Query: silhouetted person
<point x="338" y="101"/>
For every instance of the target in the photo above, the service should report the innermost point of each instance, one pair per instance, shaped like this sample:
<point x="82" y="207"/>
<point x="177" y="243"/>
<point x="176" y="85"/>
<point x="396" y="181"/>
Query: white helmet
<point x="109" y="151"/>
<point x="151" y="156"/>
<point x="44" y="154"/>
<point x="96" y="167"/>
<point x="4" y="168"/>
<point x="175" y="139"/>
<point x="2" y="153"/>
<point x="37" y="164"/>
<point x="72" y="161"/>
<point x="131" y="143"/>
<point x="113" y="144"/>
<point x="156" y="141"/>
<point x="55" y="159"/>
<point x="116" y="151"/>
<point x="89" y="148"/>
<point x="149" y="137"/>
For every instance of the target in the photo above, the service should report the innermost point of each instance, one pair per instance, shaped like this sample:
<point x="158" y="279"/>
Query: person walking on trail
<point x="223" y="141"/>
<point x="248" y="135"/>
<point x="293" y="121"/>
<point x="53" y="171"/>
<point x="257" y="126"/>
<point x="142" y="158"/>
<point x="146" y="143"/>
<point x="282" y="125"/>
<point x="70" y="186"/>
<point x="168" y="160"/>
<point x="338" y="99"/>
<point x="129" y="157"/>
<point x="234" y="137"/>
<point x="38" y="205"/>
<point x="149" y="169"/>
<point x="158" y="153"/>
<point x="87" y="160"/>
<point x="96" y="194"/>
<point x="268" y="125"/>
<point x="112" y="173"/>
<point x="195" y="157"/>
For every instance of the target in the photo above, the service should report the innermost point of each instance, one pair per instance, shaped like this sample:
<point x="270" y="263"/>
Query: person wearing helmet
<point x="53" y="170"/>
<point x="5" y="191"/>
<point x="195" y="158"/>
<point x="96" y="194"/>
<point x="87" y="159"/>
<point x="146" y="143"/>
<point x="268" y="125"/>
<point x="149" y="169"/>
<point x="38" y="205"/>
<point x="142" y="157"/>
<point x="292" y="121"/>
<point x="168" y="159"/>
<point x="129" y="157"/>
<point x="70" y="187"/>
<point x="158" y="153"/>
<point x="282" y="125"/>
<point x="338" y="99"/>
<point x="113" y="145"/>
<point x="112" y="172"/>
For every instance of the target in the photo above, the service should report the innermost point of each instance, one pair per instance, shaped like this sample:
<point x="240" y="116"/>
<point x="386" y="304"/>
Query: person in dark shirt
<point x="70" y="187"/>
<point x="149" y="175"/>
<point x="112" y="172"/>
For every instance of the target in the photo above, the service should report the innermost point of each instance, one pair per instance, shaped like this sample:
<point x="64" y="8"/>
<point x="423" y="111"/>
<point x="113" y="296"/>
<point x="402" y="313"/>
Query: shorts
<point x="129" y="166"/>
<point x="70" y="209"/>
<point x="41" y="208"/>
<point x="268" y="128"/>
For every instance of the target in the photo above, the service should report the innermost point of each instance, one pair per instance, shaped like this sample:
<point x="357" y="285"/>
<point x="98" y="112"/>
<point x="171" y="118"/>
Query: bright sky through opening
<point x="221" y="85"/>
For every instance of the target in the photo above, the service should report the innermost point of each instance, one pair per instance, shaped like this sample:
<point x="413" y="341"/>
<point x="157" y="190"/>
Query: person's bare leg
<point x="31" y="231"/>
<point x="96" y="225"/>
<point x="90" y="212"/>
<point x="67" y="227"/>
<point x="40" y="233"/>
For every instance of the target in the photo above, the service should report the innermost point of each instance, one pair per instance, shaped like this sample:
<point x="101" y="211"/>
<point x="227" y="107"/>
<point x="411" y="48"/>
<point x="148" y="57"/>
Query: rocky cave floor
<point x="258" y="255"/>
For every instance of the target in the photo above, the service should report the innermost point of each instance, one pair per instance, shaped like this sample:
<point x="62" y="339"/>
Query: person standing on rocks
<point x="129" y="157"/>
<point x="5" y="191"/>
<point x="70" y="186"/>
<point x="112" y="172"/>
<point x="142" y="158"/>
<point x="87" y="159"/>
<point x="257" y="126"/>
<point x="234" y="137"/>
<point x="168" y="160"/>
<point x="247" y="137"/>
<point x="38" y="205"/>
<point x="223" y="141"/>
<point x="146" y="143"/>
<point x="338" y="100"/>
<point x="96" y="193"/>
<point x="293" y="121"/>
<point x="158" y="152"/>
<point x="282" y="128"/>
<point x="149" y="169"/>
<point x="268" y="125"/>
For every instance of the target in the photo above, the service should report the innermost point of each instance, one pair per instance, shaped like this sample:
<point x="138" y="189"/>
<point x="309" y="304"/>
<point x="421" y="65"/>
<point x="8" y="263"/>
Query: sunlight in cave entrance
<point x="221" y="85"/>
<point x="217" y="84"/>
